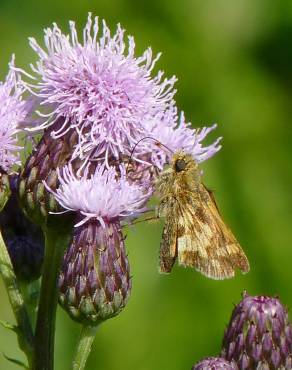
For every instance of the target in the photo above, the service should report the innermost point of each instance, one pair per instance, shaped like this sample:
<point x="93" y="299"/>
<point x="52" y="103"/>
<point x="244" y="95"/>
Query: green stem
<point x="56" y="242"/>
<point x="30" y="293"/>
<point x="85" y="341"/>
<point x="24" y="330"/>
<point x="4" y="189"/>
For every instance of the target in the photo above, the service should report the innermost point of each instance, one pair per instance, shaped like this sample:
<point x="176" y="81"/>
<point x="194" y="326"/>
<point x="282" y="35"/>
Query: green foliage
<point x="233" y="62"/>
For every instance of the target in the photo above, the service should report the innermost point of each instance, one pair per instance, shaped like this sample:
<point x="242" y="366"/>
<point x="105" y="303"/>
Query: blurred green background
<point x="233" y="60"/>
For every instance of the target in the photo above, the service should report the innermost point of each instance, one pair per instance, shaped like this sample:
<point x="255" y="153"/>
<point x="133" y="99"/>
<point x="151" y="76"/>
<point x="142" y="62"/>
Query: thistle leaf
<point x="9" y="326"/>
<point x="15" y="361"/>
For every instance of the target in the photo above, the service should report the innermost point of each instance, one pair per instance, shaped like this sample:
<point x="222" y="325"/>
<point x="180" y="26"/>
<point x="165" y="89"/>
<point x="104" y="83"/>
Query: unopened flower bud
<point x="259" y="335"/>
<point x="26" y="255"/>
<point x="214" y="363"/>
<point x="95" y="283"/>
<point x="49" y="154"/>
<point x="23" y="239"/>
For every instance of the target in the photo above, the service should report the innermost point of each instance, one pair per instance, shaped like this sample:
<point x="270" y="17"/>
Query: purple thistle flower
<point x="214" y="363"/>
<point x="99" y="87"/>
<point x="13" y="111"/>
<point x="105" y="195"/>
<point x="259" y="335"/>
<point x="94" y="283"/>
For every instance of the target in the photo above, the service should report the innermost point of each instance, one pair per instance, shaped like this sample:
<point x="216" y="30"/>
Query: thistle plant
<point x="101" y="125"/>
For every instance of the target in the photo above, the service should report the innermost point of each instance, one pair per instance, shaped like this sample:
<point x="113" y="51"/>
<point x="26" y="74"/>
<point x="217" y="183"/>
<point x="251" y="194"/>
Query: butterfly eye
<point x="180" y="165"/>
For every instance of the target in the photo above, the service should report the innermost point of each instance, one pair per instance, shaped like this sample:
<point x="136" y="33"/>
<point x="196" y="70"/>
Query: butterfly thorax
<point x="179" y="183"/>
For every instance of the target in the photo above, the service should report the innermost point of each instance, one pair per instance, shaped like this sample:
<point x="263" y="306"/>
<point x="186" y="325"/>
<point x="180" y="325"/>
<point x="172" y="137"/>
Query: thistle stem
<point x="84" y="345"/>
<point x="24" y="330"/>
<point x="56" y="242"/>
<point x="30" y="293"/>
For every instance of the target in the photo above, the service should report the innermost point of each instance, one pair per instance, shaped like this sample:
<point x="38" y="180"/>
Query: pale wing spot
<point x="206" y="234"/>
<point x="232" y="248"/>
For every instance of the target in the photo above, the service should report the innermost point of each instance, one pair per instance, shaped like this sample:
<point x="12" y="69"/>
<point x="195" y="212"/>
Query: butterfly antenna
<point x="139" y="141"/>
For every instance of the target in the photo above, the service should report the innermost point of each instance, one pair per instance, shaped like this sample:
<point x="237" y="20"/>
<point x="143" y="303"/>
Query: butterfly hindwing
<point x="207" y="244"/>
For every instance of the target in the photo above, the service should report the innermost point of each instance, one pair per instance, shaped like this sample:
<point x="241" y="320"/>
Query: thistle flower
<point x="13" y="114"/>
<point x="99" y="87"/>
<point x="94" y="283"/>
<point x="105" y="195"/>
<point x="259" y="335"/>
<point x="24" y="240"/>
<point x="214" y="363"/>
<point x="13" y="110"/>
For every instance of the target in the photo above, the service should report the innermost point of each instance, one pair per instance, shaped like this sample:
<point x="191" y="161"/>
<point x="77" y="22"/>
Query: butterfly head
<point x="183" y="163"/>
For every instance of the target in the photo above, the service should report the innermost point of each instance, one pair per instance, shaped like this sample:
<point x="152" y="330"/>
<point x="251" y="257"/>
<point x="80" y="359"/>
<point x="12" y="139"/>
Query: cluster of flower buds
<point x="258" y="337"/>
<point x="102" y="114"/>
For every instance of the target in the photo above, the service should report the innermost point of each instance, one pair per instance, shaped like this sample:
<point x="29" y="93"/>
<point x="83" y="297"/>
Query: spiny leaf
<point x="15" y="361"/>
<point x="9" y="326"/>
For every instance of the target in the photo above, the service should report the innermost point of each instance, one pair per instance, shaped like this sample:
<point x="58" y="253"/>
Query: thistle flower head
<point x="94" y="283"/>
<point x="13" y="110"/>
<point x="99" y="86"/>
<point x="214" y="363"/>
<point x="259" y="334"/>
<point x="105" y="195"/>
